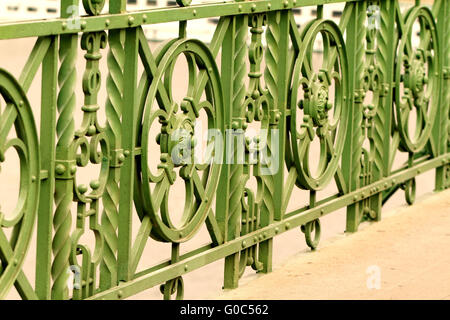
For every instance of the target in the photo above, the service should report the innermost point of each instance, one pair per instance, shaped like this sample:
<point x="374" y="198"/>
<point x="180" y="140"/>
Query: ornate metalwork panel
<point x="262" y="119"/>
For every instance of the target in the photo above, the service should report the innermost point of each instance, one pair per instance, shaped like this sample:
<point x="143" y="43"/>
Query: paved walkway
<point x="405" y="256"/>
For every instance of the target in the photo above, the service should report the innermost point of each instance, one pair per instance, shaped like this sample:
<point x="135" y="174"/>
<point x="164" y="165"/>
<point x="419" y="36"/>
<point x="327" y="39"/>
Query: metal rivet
<point x="64" y="25"/>
<point x="33" y="178"/>
<point x="82" y="188"/>
<point x="186" y="267"/>
<point x="107" y="22"/>
<point x="130" y="20"/>
<point x="194" y="12"/>
<point x="60" y="169"/>
<point x="83" y="25"/>
<point x="277" y="230"/>
<point x="95" y="184"/>
<point x="126" y="153"/>
<point x="287" y="225"/>
<point x="253" y="7"/>
<point x="144" y="18"/>
<point x="244" y="244"/>
<point x="119" y="294"/>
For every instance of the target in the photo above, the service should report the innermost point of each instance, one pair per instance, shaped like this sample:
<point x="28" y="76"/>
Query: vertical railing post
<point x="385" y="57"/>
<point x="47" y="153"/>
<point x="441" y="10"/>
<point x="279" y="94"/>
<point x="64" y="162"/>
<point x="275" y="75"/>
<point x="351" y="158"/>
<point x="127" y="172"/>
<point x="233" y="72"/>
<point x="114" y="106"/>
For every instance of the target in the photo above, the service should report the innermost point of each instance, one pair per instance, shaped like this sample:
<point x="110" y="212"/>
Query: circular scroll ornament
<point x="323" y="119"/>
<point x="417" y="80"/>
<point x="176" y="141"/>
<point x="17" y="115"/>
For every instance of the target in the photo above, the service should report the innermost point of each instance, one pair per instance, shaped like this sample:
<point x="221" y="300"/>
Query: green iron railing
<point x="357" y="105"/>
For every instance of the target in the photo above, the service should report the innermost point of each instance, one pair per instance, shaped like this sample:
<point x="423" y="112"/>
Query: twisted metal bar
<point x="109" y="219"/>
<point x="65" y="129"/>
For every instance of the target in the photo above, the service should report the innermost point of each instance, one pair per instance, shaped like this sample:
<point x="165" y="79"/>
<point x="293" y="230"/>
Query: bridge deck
<point x="409" y="250"/>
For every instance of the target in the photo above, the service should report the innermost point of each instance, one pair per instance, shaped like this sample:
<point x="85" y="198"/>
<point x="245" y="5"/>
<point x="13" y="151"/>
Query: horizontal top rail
<point x="47" y="27"/>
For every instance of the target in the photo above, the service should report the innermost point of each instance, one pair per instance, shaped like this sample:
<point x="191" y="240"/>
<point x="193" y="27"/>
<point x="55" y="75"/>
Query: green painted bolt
<point x="244" y="244"/>
<point x="95" y="184"/>
<point x="60" y="169"/>
<point x="82" y="188"/>
<point x="91" y="130"/>
<point x="130" y="21"/>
